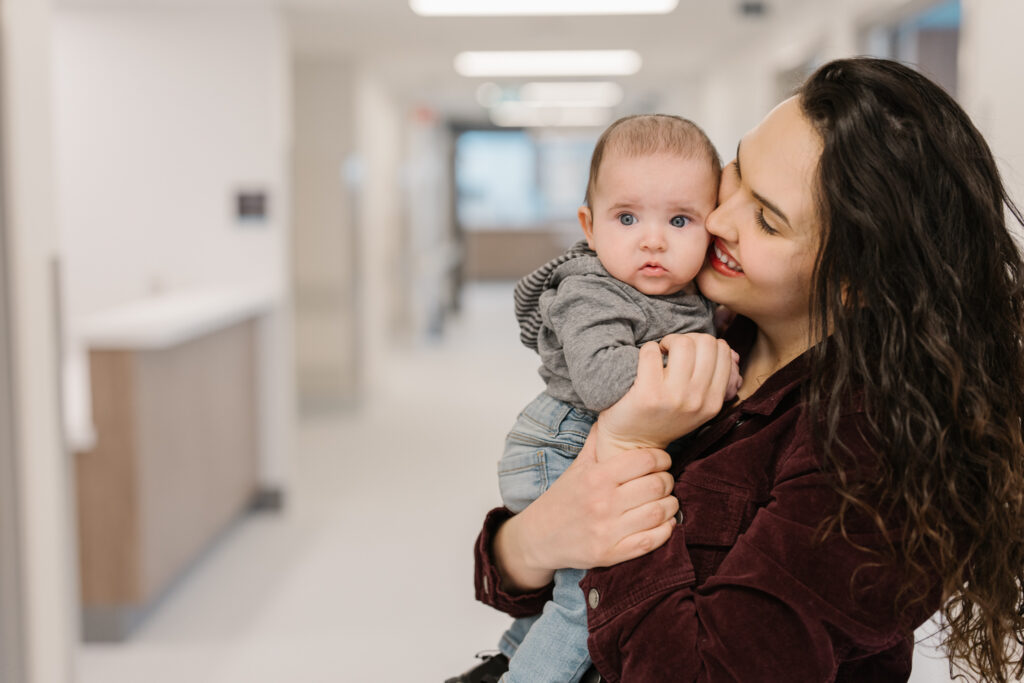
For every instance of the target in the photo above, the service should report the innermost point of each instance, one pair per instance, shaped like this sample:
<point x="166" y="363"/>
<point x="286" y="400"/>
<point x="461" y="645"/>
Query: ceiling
<point x="415" y="53"/>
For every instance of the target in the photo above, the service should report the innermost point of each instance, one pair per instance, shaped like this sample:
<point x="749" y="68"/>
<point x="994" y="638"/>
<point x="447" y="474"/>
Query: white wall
<point x="325" y="262"/>
<point x="737" y="93"/>
<point x="733" y="100"/>
<point x="47" y="559"/>
<point x="378" y="134"/>
<point x="991" y="58"/>
<point x="161" y="115"/>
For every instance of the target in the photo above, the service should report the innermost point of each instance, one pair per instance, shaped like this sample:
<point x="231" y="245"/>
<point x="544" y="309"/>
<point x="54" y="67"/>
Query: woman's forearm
<point x="512" y="556"/>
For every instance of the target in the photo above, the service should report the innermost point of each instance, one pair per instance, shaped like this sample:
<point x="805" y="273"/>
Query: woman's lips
<point x="722" y="261"/>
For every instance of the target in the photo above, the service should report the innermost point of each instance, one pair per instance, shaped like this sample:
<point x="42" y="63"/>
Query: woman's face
<point x="765" y="230"/>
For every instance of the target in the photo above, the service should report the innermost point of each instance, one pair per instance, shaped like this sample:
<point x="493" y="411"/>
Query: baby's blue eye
<point x="627" y="219"/>
<point x="679" y="221"/>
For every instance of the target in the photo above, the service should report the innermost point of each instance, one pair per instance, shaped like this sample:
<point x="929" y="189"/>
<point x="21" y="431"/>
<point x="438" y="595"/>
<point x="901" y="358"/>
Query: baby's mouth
<point x="652" y="267"/>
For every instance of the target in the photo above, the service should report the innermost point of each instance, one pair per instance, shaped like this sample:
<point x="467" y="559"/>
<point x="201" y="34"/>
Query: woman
<point x="871" y="470"/>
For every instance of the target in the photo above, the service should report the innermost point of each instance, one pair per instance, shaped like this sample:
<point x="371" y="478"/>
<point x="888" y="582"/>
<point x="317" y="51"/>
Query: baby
<point x="653" y="182"/>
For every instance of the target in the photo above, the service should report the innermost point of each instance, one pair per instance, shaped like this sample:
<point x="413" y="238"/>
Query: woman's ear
<point x="587" y="223"/>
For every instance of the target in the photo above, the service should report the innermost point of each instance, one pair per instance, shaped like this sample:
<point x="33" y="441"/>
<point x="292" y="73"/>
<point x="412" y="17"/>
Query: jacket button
<point x="593" y="598"/>
<point x="680" y="517"/>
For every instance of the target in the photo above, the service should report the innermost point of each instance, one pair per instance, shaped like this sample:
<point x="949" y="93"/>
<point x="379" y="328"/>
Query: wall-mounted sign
<point x="251" y="206"/>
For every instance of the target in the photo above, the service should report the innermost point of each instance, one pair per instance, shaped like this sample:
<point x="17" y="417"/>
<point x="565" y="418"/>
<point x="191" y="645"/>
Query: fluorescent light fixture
<point x="548" y="63"/>
<point x="467" y="8"/>
<point x="572" y="93"/>
<point x="522" y="115"/>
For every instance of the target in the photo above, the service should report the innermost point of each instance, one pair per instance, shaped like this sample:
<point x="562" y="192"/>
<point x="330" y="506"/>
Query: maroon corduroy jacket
<point x="744" y="589"/>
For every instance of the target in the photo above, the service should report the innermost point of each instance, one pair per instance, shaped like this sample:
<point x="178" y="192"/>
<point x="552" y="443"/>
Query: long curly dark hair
<point x="919" y="287"/>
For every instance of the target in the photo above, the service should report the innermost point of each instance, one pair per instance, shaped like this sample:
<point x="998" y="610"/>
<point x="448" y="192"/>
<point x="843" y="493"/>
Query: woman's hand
<point x="670" y="398"/>
<point x="594" y="515"/>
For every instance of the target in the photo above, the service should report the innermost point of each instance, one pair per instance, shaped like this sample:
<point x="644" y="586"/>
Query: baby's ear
<point x="587" y="223"/>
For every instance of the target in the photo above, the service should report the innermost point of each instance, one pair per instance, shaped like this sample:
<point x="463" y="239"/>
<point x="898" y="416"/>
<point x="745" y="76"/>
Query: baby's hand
<point x="735" y="380"/>
<point x="723" y="318"/>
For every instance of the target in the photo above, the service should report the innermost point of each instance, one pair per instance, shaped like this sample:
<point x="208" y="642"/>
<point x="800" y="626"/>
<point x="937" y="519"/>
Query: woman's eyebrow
<point x="759" y="197"/>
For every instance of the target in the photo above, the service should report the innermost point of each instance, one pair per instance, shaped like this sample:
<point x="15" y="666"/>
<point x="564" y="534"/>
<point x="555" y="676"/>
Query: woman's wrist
<point x="608" y="444"/>
<point x="513" y="556"/>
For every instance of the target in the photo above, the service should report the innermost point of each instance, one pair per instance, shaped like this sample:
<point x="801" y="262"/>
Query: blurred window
<point x="520" y="179"/>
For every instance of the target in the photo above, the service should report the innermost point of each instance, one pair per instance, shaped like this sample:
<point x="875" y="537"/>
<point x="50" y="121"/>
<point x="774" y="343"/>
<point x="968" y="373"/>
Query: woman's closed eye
<point x="627" y="219"/>
<point x="679" y="221"/>
<point x="759" y="217"/>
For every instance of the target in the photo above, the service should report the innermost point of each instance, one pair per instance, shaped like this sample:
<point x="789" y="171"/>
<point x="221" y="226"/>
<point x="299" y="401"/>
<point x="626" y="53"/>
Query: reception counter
<point x="174" y="459"/>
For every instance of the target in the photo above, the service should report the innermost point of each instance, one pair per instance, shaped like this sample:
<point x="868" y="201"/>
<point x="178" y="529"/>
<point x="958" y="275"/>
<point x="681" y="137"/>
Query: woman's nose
<point x="711" y="223"/>
<point x="720" y="222"/>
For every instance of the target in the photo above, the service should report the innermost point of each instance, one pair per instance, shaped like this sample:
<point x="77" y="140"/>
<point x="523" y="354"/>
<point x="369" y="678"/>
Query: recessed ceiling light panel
<point x="548" y="63"/>
<point x="453" y="8"/>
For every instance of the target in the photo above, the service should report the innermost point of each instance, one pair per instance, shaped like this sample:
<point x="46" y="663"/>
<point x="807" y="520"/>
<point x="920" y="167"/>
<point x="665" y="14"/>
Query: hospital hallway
<point x="367" y="573"/>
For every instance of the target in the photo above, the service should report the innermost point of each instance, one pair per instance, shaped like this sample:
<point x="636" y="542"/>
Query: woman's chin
<point x="711" y="286"/>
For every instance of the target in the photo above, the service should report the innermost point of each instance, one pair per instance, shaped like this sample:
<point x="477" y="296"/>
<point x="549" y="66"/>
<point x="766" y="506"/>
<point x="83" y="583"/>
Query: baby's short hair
<point x="643" y="134"/>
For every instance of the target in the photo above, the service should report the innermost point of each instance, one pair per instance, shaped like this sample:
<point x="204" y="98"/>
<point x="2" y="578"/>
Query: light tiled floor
<point x="367" y="575"/>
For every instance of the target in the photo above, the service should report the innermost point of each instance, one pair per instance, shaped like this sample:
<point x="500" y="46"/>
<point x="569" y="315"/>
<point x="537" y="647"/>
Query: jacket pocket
<point x="713" y="517"/>
<point x="712" y="510"/>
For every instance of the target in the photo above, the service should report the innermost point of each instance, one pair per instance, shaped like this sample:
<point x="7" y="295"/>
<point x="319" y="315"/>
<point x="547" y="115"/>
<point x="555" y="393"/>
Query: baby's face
<point x="647" y="219"/>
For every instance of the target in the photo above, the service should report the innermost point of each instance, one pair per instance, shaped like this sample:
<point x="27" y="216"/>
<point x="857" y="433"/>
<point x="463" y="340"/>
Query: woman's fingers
<point x="690" y="360"/>
<point x="642" y="542"/>
<point x="650" y="367"/>
<point x="696" y="370"/>
<point x="682" y="358"/>
<point x="645" y="528"/>
<point x="639" y="492"/>
<point x="648" y="516"/>
<point x="597" y="513"/>
<point x="667" y="401"/>
<point x="631" y="465"/>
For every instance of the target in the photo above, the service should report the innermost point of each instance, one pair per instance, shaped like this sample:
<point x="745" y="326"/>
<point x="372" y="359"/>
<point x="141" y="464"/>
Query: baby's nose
<point x="653" y="238"/>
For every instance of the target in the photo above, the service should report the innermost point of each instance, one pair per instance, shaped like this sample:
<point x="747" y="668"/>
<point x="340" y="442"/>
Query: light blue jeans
<point x="551" y="647"/>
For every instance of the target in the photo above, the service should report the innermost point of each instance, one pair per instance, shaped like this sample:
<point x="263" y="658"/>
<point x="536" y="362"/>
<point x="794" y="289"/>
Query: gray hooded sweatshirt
<point x="588" y="327"/>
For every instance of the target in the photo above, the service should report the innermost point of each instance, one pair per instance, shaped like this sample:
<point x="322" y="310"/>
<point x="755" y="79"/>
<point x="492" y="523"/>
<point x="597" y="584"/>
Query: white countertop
<point x="149" y="324"/>
<point x="166" y="320"/>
